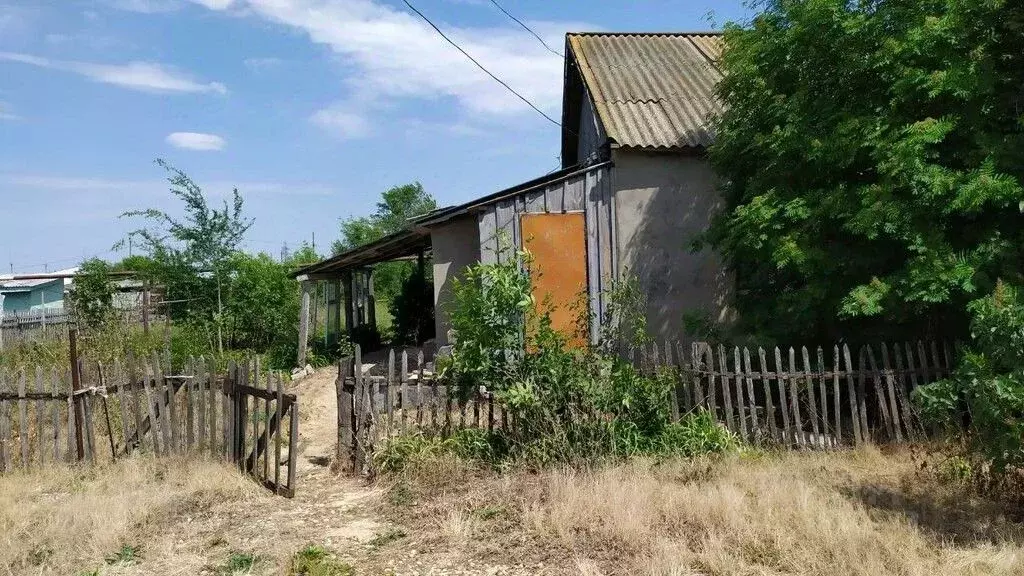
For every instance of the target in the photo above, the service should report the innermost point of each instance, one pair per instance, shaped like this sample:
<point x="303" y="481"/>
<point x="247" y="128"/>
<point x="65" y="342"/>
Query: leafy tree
<point x="397" y="206"/>
<point x="262" y="304"/>
<point x="185" y="251"/>
<point x="92" y="295"/>
<point x="872" y="154"/>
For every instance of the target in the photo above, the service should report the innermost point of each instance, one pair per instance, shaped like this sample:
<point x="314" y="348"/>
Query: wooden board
<point x="557" y="244"/>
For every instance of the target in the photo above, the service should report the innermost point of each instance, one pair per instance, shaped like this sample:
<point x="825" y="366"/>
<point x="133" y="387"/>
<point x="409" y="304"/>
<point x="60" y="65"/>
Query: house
<point x="37" y="294"/>
<point x="635" y="189"/>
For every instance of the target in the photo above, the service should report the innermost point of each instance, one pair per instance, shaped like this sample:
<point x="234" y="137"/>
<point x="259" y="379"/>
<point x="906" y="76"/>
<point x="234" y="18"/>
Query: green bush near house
<point x="565" y="404"/>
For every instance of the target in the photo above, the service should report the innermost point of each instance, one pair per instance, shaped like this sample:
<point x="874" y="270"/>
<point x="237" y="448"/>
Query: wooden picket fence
<point x="113" y="411"/>
<point x="406" y="398"/>
<point x="789" y="397"/>
<point x="784" y="397"/>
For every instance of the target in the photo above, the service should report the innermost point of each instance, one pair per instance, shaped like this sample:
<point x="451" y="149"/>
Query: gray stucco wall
<point x="455" y="246"/>
<point x="662" y="201"/>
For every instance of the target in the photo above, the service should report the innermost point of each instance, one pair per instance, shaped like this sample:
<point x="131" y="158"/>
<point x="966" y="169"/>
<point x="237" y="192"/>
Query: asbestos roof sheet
<point x="654" y="91"/>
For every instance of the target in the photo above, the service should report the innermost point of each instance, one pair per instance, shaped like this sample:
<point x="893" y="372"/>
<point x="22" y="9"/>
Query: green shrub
<point x="986" y="391"/>
<point x="568" y="404"/>
<point x="695" y="434"/>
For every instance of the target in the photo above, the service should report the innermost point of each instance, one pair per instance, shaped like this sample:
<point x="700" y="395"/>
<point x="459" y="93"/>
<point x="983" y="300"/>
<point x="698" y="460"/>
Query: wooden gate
<point x="257" y="430"/>
<point x="97" y="414"/>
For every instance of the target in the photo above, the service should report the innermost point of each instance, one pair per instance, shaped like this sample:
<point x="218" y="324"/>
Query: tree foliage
<point x="221" y="295"/>
<point x="396" y="207"/>
<point x="190" y="254"/>
<point x="872" y="154"/>
<point x="92" y="295"/>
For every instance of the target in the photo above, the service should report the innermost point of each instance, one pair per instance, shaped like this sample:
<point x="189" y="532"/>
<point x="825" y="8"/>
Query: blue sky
<point x="310" y="107"/>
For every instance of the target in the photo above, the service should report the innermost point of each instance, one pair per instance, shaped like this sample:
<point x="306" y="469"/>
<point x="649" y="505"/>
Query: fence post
<point x="346" y="424"/>
<point x="76" y="385"/>
<point x="293" y="443"/>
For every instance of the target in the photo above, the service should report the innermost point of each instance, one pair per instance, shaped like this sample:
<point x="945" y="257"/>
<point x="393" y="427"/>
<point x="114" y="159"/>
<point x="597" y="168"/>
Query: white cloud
<point x="391" y="54"/>
<point x="142" y="76"/>
<point x="196" y="141"/>
<point x="343" y="121"/>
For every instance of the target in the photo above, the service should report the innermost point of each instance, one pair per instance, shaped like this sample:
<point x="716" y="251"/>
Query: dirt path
<point x="330" y="510"/>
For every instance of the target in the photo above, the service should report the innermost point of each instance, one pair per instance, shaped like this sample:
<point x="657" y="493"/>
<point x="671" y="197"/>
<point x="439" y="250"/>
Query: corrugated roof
<point x="653" y="91"/>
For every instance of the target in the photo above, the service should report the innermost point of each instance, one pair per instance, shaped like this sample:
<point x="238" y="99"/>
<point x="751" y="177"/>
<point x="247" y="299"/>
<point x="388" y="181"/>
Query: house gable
<point x="653" y="92"/>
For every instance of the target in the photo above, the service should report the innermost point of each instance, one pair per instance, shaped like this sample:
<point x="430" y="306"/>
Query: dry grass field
<point x="860" y="513"/>
<point x="865" y="512"/>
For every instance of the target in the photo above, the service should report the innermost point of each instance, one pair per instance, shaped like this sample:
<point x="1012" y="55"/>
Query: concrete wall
<point x="456" y="245"/>
<point x="662" y="201"/>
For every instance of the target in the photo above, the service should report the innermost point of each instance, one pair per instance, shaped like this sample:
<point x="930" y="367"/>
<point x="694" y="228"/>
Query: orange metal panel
<point x="558" y="248"/>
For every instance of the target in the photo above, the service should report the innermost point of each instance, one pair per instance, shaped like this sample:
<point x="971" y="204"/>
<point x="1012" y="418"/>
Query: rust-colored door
<point x="558" y="248"/>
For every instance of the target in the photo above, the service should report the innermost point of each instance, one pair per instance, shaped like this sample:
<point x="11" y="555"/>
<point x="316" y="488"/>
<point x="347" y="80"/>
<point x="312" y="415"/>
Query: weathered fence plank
<point x="23" y="419"/>
<point x="909" y="421"/>
<point x="862" y="402"/>
<point x="726" y="393"/>
<point x="5" y="425"/>
<point x="39" y="419"/>
<point x="891" y="388"/>
<point x="780" y="380"/>
<point x="829" y="438"/>
<point x="769" y="412"/>
<point x="739" y="393"/>
<point x="266" y="425"/>
<point x="794" y="399"/>
<point x="676" y="377"/>
<point x="55" y="412"/>
<point x="751" y="398"/>
<point x="876" y="377"/>
<point x="808" y="374"/>
<point x="389" y="396"/>
<point x="836" y="398"/>
<point x="404" y="380"/>
<point x="419" y="389"/>
<point x="153" y="422"/>
<point x="279" y="414"/>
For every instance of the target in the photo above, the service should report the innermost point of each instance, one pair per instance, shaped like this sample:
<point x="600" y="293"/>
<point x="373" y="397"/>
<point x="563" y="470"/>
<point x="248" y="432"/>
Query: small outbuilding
<point x="635" y="190"/>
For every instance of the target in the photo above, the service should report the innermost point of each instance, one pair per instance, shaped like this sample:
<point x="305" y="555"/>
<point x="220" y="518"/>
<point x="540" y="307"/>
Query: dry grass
<point x="861" y="513"/>
<point x="63" y="520"/>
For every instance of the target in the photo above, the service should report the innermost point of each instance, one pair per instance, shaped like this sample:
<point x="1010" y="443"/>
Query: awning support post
<point x="307" y="286"/>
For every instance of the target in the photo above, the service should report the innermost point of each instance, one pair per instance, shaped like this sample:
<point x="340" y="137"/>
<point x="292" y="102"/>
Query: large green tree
<point x="872" y="155"/>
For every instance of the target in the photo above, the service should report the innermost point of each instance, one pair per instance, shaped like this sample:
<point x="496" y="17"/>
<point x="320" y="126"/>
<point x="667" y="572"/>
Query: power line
<point x="481" y="66"/>
<point x="528" y="29"/>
